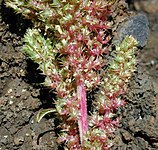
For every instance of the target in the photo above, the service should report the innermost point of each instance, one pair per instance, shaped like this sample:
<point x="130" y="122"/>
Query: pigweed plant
<point x="70" y="41"/>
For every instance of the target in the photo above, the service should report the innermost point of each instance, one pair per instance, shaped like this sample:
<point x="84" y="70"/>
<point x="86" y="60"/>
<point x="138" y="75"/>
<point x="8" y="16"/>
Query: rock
<point x="149" y="6"/>
<point x="18" y="140"/>
<point x="137" y="26"/>
<point x="5" y="137"/>
<point x="126" y="136"/>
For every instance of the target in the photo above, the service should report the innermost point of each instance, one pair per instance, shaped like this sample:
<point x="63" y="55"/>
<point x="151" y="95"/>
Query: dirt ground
<point x="22" y="95"/>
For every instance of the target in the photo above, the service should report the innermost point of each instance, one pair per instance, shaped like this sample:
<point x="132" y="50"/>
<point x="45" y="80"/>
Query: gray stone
<point x="137" y="26"/>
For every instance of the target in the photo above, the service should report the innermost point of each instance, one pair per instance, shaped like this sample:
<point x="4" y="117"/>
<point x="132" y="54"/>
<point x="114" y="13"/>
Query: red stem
<point x="83" y="118"/>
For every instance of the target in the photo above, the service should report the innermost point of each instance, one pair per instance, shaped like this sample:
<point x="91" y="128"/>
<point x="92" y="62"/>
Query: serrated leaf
<point x="44" y="112"/>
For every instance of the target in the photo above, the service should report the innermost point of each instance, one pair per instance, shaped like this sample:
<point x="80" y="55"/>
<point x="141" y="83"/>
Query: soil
<point x="22" y="95"/>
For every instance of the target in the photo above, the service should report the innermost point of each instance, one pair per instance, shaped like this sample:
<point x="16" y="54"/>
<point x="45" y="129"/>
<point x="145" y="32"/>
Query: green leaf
<point x="66" y="7"/>
<point x="55" y="3"/>
<point x="44" y="112"/>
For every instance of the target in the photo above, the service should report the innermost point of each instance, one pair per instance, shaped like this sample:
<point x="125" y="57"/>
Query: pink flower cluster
<point x="72" y="53"/>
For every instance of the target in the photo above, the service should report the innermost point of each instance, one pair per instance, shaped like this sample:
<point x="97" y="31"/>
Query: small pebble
<point x="10" y="90"/>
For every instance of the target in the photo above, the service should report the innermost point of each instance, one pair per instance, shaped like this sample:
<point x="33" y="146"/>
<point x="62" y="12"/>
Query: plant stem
<point x="83" y="119"/>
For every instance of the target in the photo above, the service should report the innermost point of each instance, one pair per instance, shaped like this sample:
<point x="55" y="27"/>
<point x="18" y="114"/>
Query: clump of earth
<point x="22" y="95"/>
